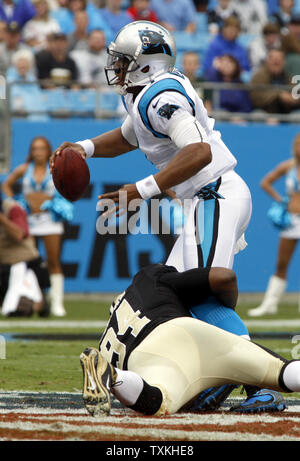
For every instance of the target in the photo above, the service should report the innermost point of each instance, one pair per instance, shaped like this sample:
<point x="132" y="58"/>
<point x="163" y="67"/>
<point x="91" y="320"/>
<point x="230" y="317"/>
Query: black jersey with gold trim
<point x="158" y="293"/>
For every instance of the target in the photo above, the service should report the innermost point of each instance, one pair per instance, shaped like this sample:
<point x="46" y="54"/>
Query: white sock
<point x="128" y="388"/>
<point x="291" y="376"/>
<point x="275" y="289"/>
<point x="57" y="289"/>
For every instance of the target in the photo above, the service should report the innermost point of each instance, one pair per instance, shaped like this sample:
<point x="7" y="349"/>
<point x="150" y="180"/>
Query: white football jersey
<point x="148" y="125"/>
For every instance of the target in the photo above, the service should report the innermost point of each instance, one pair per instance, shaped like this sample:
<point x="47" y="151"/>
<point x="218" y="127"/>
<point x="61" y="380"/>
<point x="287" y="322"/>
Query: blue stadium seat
<point x="246" y="76"/>
<point x="28" y="100"/>
<point x="185" y="41"/>
<point x="57" y="101"/>
<point x="297" y="7"/>
<point x="212" y="4"/>
<point x="201" y="23"/>
<point x="246" y="39"/>
<point x="192" y="42"/>
<point x="82" y="102"/>
<point x="109" y="101"/>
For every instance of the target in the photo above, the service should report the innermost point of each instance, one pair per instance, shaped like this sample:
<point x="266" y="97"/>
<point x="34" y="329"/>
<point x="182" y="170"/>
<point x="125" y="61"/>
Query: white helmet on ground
<point x="141" y="51"/>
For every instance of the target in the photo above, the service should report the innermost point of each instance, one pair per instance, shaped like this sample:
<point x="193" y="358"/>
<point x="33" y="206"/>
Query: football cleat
<point x="211" y="399"/>
<point x="98" y="377"/>
<point x="263" y="400"/>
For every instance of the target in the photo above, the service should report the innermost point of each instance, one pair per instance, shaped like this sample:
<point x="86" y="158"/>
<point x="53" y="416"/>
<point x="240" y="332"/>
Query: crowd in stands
<point x="218" y="41"/>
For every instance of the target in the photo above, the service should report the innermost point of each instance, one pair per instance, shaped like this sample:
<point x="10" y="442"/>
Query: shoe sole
<point x="279" y="407"/>
<point x="267" y="409"/>
<point x="96" y="397"/>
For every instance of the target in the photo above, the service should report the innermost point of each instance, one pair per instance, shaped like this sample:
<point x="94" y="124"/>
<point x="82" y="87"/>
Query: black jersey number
<point x="126" y="317"/>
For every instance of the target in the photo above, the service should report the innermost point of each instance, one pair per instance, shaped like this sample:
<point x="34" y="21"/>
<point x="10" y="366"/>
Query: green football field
<point x="43" y="354"/>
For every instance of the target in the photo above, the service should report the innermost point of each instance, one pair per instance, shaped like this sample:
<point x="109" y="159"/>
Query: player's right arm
<point x="268" y="180"/>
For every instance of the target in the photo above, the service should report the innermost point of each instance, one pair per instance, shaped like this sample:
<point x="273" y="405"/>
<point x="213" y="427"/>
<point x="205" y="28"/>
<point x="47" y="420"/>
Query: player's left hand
<point x="121" y="197"/>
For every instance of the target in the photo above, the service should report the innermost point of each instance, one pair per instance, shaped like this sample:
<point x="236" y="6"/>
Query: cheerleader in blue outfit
<point x="288" y="219"/>
<point x="46" y="212"/>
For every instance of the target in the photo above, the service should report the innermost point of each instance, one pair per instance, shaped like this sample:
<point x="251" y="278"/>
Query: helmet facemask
<point x="118" y="69"/>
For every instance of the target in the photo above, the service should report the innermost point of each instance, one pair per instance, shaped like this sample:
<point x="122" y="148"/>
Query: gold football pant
<point x="184" y="356"/>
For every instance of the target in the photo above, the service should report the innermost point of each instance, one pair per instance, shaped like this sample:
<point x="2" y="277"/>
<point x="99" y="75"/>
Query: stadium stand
<point x="97" y="101"/>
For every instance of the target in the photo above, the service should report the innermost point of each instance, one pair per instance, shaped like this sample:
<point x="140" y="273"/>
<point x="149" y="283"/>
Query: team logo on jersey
<point x="167" y="110"/>
<point x="154" y="42"/>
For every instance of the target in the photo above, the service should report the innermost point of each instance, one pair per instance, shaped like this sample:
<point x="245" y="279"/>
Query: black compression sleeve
<point x="191" y="286"/>
<point x="149" y="401"/>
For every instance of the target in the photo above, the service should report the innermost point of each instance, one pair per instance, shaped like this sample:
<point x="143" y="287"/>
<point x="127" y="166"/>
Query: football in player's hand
<point x="71" y="175"/>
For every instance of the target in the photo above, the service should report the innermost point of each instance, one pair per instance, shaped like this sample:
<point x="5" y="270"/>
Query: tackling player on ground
<point x="156" y="359"/>
<point x="168" y="122"/>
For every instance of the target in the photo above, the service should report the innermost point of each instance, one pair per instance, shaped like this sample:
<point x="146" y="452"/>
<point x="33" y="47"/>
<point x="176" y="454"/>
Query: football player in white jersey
<point x="169" y="123"/>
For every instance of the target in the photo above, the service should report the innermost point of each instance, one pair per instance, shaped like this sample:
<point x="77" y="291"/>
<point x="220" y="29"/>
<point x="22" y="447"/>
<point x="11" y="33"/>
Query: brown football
<point x="71" y="174"/>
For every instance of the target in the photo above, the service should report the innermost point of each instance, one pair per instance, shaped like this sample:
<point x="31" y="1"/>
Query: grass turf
<point x="54" y="365"/>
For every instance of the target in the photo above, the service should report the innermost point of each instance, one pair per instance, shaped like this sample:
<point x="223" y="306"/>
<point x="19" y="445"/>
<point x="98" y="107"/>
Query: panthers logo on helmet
<point x="154" y="42"/>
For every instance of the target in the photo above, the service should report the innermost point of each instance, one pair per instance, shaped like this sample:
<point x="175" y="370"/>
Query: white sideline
<point x="273" y="323"/>
<point x="52" y="324"/>
<point x="294" y="323"/>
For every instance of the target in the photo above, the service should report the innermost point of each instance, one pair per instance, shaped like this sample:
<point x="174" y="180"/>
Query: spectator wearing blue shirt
<point x="228" y="70"/>
<point x="65" y="17"/>
<point x="17" y="11"/>
<point x="114" y="16"/>
<point x="176" y="15"/>
<point x="226" y="43"/>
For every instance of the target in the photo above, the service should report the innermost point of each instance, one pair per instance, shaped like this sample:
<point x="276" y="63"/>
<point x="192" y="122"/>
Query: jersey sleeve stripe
<point x="168" y="84"/>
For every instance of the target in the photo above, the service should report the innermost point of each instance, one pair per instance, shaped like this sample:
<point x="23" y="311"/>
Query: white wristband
<point x="148" y="187"/>
<point x="88" y="147"/>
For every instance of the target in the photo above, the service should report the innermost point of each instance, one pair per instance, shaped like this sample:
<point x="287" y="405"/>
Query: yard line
<point x="102" y="323"/>
<point x="52" y="324"/>
<point x="273" y="323"/>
